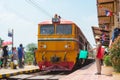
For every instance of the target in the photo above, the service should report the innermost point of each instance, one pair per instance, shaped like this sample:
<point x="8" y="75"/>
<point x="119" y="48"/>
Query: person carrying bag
<point x="99" y="55"/>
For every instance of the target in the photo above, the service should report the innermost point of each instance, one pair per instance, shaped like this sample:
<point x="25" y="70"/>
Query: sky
<point x="23" y="17"/>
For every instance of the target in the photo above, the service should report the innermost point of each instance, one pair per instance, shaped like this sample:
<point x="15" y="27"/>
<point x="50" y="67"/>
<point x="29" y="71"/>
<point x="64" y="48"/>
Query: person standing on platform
<point x="23" y="59"/>
<point x="99" y="54"/>
<point x="1" y="57"/>
<point x="20" y="55"/>
<point x="15" y="57"/>
<point x="5" y="56"/>
<point x="34" y="61"/>
<point x="115" y="34"/>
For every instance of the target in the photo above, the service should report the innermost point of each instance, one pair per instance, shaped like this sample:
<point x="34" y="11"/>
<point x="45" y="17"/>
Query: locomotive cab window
<point x="64" y="29"/>
<point x="47" y="29"/>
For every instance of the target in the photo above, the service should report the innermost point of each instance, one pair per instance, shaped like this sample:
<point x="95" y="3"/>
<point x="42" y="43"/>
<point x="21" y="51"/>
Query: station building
<point x="108" y="19"/>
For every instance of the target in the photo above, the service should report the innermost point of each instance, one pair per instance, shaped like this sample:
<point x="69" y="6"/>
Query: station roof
<point x="104" y="20"/>
<point x="97" y="31"/>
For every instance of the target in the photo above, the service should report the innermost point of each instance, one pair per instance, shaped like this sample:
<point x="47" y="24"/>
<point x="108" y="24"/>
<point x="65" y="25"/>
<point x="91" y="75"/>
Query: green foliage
<point x="29" y="57"/>
<point x="107" y="60"/>
<point x="1" y="42"/>
<point x="30" y="47"/>
<point x="115" y="54"/>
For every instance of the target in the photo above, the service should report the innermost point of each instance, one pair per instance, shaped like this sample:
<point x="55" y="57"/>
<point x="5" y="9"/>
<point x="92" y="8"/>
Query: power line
<point x="19" y="14"/>
<point x="36" y="5"/>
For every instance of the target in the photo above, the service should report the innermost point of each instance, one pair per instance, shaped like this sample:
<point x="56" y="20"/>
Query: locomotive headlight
<point x="44" y="46"/>
<point x="66" y="46"/>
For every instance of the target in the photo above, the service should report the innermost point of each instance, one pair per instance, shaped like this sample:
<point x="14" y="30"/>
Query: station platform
<point x="86" y="73"/>
<point x="5" y="73"/>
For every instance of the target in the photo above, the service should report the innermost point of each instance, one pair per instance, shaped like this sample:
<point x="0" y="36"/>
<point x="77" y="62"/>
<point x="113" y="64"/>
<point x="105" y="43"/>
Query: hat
<point x="97" y="37"/>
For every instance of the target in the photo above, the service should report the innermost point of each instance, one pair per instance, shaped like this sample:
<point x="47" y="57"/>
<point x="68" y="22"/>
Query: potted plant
<point x="115" y="55"/>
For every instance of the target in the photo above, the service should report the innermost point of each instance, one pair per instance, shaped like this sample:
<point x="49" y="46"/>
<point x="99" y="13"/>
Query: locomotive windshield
<point x="60" y="29"/>
<point x="47" y="29"/>
<point x="64" y="29"/>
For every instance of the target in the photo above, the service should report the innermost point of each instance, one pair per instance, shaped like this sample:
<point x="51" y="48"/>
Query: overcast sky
<point x="23" y="17"/>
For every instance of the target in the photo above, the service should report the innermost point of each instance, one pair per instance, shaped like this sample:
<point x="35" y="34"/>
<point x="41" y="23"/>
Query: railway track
<point x="45" y="75"/>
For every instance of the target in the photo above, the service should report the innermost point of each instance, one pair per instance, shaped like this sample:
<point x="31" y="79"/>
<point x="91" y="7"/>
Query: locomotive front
<point x="57" y="45"/>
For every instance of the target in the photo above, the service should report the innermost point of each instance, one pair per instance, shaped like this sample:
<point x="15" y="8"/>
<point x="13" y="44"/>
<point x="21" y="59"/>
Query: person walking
<point x="99" y="52"/>
<point x="20" y="55"/>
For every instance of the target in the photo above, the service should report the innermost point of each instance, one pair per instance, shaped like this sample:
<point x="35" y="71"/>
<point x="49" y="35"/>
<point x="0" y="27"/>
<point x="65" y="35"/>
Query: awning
<point x="98" y="32"/>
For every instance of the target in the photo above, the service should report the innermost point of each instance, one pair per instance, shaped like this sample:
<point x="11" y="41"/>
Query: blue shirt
<point x="20" y="52"/>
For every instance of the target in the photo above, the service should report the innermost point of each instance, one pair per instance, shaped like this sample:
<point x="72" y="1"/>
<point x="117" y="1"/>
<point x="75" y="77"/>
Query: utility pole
<point x="12" y="37"/>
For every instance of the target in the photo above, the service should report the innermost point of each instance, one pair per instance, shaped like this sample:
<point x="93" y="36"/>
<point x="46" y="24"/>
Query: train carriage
<point x="59" y="43"/>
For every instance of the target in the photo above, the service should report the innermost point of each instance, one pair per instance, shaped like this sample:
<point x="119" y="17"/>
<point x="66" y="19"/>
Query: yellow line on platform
<point x="0" y="75"/>
<point x="7" y="75"/>
<point x="15" y="74"/>
<point x="31" y="70"/>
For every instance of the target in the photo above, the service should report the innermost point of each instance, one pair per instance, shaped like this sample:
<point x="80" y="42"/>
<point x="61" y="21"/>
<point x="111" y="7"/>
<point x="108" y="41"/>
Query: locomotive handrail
<point x="65" y="56"/>
<point x="43" y="57"/>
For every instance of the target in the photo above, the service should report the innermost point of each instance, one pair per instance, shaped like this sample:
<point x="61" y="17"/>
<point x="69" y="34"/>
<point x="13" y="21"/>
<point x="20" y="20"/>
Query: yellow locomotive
<point x="59" y="43"/>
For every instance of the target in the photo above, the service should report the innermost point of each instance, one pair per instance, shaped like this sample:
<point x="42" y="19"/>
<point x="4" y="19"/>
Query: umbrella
<point x="6" y="43"/>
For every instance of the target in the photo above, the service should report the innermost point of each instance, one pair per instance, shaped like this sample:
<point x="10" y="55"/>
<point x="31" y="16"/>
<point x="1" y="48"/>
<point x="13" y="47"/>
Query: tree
<point x="29" y="56"/>
<point x="1" y="42"/>
<point x="30" y="47"/>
